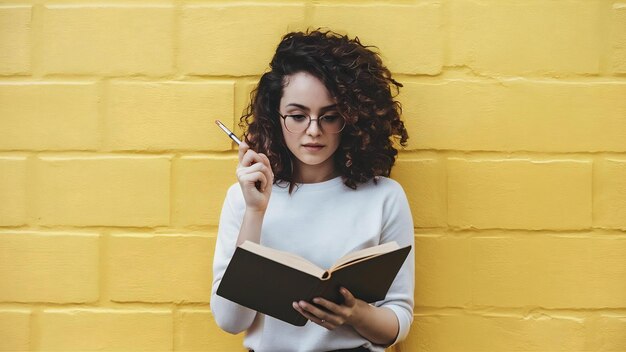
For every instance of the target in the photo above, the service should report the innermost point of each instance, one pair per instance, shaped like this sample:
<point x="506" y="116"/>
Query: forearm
<point x="231" y="317"/>
<point x="251" y="227"/>
<point x="377" y="324"/>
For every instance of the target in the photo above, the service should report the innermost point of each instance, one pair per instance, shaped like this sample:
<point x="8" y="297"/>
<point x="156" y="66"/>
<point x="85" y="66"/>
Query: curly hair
<point x="362" y="86"/>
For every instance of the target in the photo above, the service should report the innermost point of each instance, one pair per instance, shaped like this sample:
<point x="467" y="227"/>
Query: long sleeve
<point x="319" y="222"/>
<point x="229" y="316"/>
<point x="398" y="226"/>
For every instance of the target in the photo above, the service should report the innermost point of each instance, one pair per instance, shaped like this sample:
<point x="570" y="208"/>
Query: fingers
<point x="251" y="162"/>
<point x="250" y="157"/>
<point x="306" y="314"/>
<point x="320" y="318"/>
<point x="266" y="161"/>
<point x="243" y="148"/>
<point x="349" y="299"/>
<point x="269" y="174"/>
<point x="330" y="315"/>
<point x="330" y="306"/>
<point x="340" y="310"/>
<point x="258" y="172"/>
<point x="255" y="177"/>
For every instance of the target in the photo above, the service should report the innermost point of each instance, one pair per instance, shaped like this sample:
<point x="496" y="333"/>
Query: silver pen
<point x="228" y="132"/>
<point x="232" y="136"/>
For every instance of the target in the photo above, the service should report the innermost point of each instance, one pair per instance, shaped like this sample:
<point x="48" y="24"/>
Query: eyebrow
<point x="325" y="108"/>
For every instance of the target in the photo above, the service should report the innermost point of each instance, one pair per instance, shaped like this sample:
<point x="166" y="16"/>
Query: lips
<point x="313" y="147"/>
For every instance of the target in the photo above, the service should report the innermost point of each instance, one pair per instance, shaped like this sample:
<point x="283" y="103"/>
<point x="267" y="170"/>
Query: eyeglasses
<point x="298" y="123"/>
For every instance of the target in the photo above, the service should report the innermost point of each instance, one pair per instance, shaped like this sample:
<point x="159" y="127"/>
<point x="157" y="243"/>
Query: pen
<point x="232" y="136"/>
<point x="228" y="132"/>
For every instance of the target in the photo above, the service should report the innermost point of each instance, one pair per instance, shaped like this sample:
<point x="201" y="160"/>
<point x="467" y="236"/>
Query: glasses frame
<point x="319" y="124"/>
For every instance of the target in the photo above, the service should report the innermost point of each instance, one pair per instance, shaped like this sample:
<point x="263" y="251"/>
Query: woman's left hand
<point x="333" y="315"/>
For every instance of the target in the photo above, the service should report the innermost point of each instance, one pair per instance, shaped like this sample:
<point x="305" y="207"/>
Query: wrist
<point x="361" y="311"/>
<point x="255" y="211"/>
<point x="251" y="226"/>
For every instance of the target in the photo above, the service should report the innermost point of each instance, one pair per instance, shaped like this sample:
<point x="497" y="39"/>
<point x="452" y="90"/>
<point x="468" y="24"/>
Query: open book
<point x="269" y="281"/>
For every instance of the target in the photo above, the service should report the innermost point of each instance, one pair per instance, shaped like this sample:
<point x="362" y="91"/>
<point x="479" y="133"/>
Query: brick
<point x="418" y="47"/>
<point x="424" y="182"/>
<point x="14" y="330"/>
<point x="103" y="190"/>
<point x="166" y="116"/>
<point x="15" y="42"/>
<point x="609" y="196"/>
<point x="108" y="40"/>
<point x="48" y="116"/>
<point x="560" y="271"/>
<point x="493" y="332"/>
<point x="13" y="191"/>
<point x="619" y="37"/>
<point x="526" y="37"/>
<point x="199" y="185"/>
<point x="211" y="240"/>
<point x="515" y="114"/>
<point x="611" y="331"/>
<point x="199" y="332"/>
<point x="105" y="330"/>
<point x="519" y="194"/>
<point x="442" y="271"/>
<point x="48" y="267"/>
<point x="235" y="40"/>
<point x="160" y="268"/>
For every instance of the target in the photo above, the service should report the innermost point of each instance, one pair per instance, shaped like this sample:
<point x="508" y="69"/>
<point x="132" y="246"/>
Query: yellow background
<point x="112" y="173"/>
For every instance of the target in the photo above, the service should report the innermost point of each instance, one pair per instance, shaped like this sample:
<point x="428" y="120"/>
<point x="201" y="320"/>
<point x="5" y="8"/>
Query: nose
<point x="314" y="128"/>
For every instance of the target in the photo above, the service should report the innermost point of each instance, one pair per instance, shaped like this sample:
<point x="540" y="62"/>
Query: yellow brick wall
<point x="112" y="173"/>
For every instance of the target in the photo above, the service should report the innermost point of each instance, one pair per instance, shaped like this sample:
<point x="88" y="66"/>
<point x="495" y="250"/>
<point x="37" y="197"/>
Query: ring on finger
<point x="323" y="321"/>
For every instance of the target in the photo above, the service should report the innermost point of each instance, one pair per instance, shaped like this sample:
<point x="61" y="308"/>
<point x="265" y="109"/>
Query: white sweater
<point x="320" y="222"/>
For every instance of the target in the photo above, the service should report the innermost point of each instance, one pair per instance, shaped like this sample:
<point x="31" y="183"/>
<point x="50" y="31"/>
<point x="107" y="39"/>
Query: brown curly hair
<point x="356" y="77"/>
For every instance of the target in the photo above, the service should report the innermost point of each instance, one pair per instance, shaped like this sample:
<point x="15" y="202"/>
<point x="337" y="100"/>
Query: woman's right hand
<point x="254" y="170"/>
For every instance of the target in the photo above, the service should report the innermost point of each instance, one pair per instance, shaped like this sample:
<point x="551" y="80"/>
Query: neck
<point x="314" y="173"/>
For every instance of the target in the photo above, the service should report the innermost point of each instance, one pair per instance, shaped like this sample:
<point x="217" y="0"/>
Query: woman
<point x="313" y="181"/>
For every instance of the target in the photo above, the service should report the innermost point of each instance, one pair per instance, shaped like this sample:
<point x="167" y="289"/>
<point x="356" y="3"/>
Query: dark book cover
<point x="269" y="287"/>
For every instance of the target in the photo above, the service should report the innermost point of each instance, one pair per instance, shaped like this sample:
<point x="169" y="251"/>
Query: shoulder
<point x="389" y="183"/>
<point x="234" y="191"/>
<point x="382" y="190"/>
<point x="385" y="185"/>
<point x="234" y="196"/>
<point x="389" y="192"/>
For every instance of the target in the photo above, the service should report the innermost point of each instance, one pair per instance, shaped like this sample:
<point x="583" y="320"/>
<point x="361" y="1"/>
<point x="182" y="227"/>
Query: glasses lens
<point x="296" y="123"/>
<point x="332" y="123"/>
<point x="328" y="123"/>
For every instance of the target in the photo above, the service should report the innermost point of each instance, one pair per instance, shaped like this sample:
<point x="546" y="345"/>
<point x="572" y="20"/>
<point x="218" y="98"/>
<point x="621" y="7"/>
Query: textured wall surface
<point x="112" y="173"/>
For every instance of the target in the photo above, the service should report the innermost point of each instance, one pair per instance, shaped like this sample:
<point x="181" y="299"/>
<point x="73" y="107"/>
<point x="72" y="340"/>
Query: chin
<point x="312" y="161"/>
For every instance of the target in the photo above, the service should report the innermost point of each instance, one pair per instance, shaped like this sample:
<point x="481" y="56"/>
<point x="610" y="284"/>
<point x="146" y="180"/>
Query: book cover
<point x="269" y="281"/>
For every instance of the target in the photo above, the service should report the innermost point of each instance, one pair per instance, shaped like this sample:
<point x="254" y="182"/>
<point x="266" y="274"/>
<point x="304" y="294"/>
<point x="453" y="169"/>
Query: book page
<point x="284" y="258"/>
<point x="364" y="253"/>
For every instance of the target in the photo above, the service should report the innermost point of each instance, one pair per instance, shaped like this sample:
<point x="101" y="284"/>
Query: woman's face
<point x="304" y="94"/>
